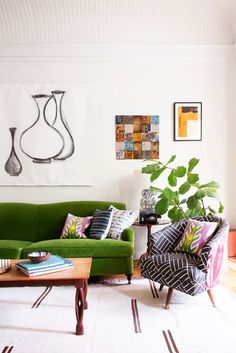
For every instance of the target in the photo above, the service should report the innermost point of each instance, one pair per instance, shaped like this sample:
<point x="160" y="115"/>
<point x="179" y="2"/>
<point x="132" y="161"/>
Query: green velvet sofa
<point x="28" y="227"/>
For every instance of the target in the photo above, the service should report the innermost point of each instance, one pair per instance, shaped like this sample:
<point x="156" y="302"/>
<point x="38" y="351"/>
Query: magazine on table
<point x="58" y="263"/>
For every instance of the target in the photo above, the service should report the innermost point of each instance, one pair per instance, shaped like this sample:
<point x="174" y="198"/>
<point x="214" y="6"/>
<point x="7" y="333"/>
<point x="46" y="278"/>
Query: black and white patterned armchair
<point x="185" y="272"/>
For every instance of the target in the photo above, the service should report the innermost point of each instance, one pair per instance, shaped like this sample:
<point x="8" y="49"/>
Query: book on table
<point x="53" y="264"/>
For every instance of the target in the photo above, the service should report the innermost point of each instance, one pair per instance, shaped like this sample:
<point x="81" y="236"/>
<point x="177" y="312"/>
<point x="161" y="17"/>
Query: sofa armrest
<point x="128" y="235"/>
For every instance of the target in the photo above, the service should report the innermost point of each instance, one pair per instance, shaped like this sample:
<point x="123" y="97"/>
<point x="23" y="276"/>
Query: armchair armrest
<point x="166" y="239"/>
<point x="128" y="235"/>
<point x="214" y="255"/>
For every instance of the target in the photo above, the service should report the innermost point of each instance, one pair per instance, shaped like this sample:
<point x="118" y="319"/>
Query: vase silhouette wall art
<point x="47" y="133"/>
<point x="13" y="165"/>
<point x="59" y="141"/>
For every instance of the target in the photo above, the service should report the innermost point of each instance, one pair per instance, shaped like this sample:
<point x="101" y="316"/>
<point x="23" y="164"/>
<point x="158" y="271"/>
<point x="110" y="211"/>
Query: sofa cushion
<point x="51" y="217"/>
<point x="11" y="249"/>
<point x="121" y="220"/>
<point x="75" y="227"/>
<point x="100" y="225"/>
<point x="83" y="248"/>
<point x="18" y="221"/>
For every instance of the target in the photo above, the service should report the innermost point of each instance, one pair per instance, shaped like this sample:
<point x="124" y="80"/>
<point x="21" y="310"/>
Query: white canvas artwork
<point x="43" y="134"/>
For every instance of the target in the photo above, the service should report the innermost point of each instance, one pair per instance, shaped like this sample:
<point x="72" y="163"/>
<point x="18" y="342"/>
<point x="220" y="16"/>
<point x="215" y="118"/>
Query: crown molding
<point x="124" y="51"/>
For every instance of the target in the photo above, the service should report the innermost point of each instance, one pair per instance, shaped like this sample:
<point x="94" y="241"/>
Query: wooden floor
<point x="229" y="280"/>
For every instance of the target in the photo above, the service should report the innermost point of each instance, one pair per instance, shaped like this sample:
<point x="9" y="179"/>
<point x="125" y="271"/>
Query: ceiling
<point x="117" y="22"/>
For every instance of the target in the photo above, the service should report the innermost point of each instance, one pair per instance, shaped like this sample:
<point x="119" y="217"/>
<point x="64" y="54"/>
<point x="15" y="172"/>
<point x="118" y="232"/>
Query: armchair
<point x="188" y="273"/>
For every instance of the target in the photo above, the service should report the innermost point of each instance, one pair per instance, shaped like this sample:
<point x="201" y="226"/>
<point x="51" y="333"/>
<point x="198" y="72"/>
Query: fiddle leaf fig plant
<point x="185" y="196"/>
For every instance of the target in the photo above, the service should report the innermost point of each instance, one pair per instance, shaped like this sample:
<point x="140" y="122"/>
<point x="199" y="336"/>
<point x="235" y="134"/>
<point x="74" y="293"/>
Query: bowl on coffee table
<point x="39" y="256"/>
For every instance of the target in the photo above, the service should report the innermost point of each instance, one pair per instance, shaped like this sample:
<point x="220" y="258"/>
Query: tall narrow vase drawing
<point x="41" y="142"/>
<point x="13" y="165"/>
<point x="61" y="125"/>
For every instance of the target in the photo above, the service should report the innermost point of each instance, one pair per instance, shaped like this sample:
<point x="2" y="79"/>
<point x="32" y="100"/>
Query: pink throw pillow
<point x="195" y="236"/>
<point x="75" y="227"/>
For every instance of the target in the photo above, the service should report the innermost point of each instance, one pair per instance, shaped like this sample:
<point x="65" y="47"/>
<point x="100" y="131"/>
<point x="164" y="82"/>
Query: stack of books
<point x="53" y="264"/>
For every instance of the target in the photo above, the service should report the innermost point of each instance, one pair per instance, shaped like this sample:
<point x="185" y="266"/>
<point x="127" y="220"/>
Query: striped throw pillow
<point x="100" y="224"/>
<point x="121" y="219"/>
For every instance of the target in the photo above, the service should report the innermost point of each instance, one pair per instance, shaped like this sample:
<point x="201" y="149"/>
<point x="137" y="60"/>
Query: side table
<point x="149" y="232"/>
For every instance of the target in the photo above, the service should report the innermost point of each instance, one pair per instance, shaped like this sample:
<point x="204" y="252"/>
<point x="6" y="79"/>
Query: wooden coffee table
<point x="76" y="276"/>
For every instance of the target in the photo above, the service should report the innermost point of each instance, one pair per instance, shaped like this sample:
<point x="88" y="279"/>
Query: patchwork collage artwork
<point x="137" y="136"/>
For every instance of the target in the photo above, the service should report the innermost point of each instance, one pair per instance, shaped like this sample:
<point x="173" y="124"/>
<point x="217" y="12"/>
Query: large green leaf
<point x="178" y="215"/>
<point x="172" y="211"/>
<point x="193" y="178"/>
<point x="157" y="173"/>
<point x="172" y="158"/>
<point x="169" y="194"/>
<point x="192" y="163"/>
<point x="162" y="206"/>
<point x="172" y="178"/>
<point x="193" y="202"/>
<point x="200" y="194"/>
<point x="184" y="188"/>
<point x="198" y="211"/>
<point x="212" y="194"/>
<point x="180" y="172"/>
<point x="211" y="184"/>
<point x="221" y="208"/>
<point x="150" y="168"/>
<point x="212" y="211"/>
<point x="153" y="188"/>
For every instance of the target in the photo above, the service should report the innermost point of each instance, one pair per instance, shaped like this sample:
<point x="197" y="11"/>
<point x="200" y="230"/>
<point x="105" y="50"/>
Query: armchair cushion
<point x="195" y="235"/>
<point x="176" y="270"/>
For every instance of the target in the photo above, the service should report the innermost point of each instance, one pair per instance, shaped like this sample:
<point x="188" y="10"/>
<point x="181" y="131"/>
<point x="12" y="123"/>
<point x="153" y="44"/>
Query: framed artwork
<point x="187" y="121"/>
<point x="137" y="136"/>
<point x="43" y="134"/>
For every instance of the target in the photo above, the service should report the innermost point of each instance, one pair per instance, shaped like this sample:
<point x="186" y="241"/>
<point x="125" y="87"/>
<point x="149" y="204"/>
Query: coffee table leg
<point x="79" y="310"/>
<point x="85" y="294"/>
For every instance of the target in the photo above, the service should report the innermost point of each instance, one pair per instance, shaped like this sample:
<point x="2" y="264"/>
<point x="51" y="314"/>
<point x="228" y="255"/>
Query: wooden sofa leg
<point x="129" y="278"/>
<point x="161" y="286"/>
<point x="211" y="296"/>
<point x="168" y="297"/>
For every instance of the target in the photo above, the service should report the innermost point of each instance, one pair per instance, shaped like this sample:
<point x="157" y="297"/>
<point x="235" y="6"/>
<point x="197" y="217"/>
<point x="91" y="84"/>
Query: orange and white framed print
<point x="187" y="121"/>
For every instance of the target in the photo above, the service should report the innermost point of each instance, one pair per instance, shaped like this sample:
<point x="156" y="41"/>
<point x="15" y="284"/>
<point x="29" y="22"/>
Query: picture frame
<point x="188" y="121"/>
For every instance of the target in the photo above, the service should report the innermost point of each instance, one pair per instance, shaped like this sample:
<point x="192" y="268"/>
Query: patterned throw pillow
<point x="75" y="227"/>
<point x="121" y="219"/>
<point x="100" y="224"/>
<point x="195" y="236"/>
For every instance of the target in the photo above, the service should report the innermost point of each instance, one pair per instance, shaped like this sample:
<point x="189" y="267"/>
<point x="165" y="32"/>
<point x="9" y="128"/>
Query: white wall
<point x="139" y="86"/>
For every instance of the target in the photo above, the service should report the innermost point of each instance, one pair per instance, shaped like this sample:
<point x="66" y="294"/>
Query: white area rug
<point x="191" y="325"/>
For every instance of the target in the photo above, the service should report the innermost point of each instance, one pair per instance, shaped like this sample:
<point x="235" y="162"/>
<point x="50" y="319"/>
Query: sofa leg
<point x="211" y="296"/>
<point x="129" y="278"/>
<point x="168" y="297"/>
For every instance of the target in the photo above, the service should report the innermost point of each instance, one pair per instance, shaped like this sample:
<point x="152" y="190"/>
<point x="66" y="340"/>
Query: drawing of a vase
<point x="13" y="165"/>
<point x="61" y="125"/>
<point x="41" y="142"/>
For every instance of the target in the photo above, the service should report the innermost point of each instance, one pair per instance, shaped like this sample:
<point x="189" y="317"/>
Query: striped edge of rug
<point x="7" y="349"/>
<point x="170" y="342"/>
<point x="41" y="298"/>
<point x="153" y="289"/>
<point x="134" y="306"/>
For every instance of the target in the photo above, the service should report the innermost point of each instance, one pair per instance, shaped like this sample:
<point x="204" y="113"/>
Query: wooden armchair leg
<point x="168" y="297"/>
<point x="211" y="296"/>
<point x="161" y="286"/>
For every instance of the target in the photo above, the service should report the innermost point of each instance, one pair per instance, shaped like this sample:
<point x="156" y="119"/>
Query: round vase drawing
<point x="13" y="165"/>
<point x="61" y="125"/>
<point x="41" y="141"/>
